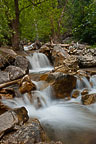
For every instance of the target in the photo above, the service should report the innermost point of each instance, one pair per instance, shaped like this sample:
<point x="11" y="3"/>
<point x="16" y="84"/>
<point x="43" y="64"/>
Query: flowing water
<point x="39" y="63"/>
<point x="68" y="121"/>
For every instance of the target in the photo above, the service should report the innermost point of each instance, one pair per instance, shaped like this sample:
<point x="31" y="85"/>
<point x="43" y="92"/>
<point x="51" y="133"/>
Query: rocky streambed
<point x="45" y="96"/>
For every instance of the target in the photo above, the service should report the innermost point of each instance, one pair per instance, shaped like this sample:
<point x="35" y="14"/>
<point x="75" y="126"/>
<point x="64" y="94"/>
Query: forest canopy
<point x="45" y="19"/>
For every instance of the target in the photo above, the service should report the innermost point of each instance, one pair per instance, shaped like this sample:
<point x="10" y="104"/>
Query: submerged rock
<point x="88" y="99"/>
<point x="30" y="133"/>
<point x="10" y="119"/>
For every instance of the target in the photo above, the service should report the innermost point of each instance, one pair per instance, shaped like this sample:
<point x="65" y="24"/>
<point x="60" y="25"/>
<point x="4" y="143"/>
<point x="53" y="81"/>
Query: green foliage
<point x="41" y="21"/>
<point x="85" y="30"/>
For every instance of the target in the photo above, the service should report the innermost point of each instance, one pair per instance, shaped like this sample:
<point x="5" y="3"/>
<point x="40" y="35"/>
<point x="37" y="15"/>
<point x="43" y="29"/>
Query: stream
<point x="67" y="121"/>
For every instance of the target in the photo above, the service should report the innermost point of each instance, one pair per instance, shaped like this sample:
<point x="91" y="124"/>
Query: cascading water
<point x="39" y="63"/>
<point x="67" y="121"/>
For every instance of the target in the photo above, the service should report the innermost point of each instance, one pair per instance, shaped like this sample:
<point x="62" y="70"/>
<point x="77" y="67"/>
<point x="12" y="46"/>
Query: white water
<point x="62" y="120"/>
<point x="39" y="63"/>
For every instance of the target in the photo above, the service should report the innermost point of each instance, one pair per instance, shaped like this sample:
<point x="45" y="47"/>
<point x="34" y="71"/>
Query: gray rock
<point x="10" y="119"/>
<point x="4" y="77"/>
<point x="15" y="72"/>
<point x="29" y="133"/>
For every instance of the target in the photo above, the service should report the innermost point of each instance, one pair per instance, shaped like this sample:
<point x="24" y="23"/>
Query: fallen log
<point x="9" y="83"/>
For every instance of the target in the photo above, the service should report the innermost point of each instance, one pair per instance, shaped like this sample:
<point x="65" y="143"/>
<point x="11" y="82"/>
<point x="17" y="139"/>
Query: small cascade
<point x="61" y="119"/>
<point x="39" y="63"/>
<point x="83" y="83"/>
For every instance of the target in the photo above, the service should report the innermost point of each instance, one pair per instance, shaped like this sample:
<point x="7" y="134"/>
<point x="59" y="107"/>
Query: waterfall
<point x="39" y="63"/>
<point x="61" y="119"/>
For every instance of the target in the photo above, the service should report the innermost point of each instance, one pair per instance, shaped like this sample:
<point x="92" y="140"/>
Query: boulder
<point x="30" y="133"/>
<point x="14" y="72"/>
<point x="63" y="85"/>
<point x="10" y="119"/>
<point x="88" y="99"/>
<point x="26" y="85"/>
<point x="22" y="62"/>
<point x="4" y="76"/>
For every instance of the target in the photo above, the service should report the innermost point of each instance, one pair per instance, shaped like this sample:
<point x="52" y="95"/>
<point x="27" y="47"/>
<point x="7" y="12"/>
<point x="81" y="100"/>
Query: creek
<point x="66" y="120"/>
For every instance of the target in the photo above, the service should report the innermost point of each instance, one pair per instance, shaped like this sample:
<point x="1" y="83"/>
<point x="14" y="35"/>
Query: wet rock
<point x="75" y="93"/>
<point x="23" y="63"/>
<point x="14" y="72"/>
<point x="85" y="91"/>
<point x="63" y="85"/>
<point x="26" y="85"/>
<point x="88" y="99"/>
<point x="10" y="119"/>
<point x="29" y="133"/>
<point x="4" y="77"/>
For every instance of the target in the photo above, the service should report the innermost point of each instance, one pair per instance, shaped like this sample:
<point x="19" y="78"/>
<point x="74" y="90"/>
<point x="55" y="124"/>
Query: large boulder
<point x="14" y="72"/>
<point x="30" y="133"/>
<point x="22" y="62"/>
<point x="10" y="119"/>
<point x="63" y="84"/>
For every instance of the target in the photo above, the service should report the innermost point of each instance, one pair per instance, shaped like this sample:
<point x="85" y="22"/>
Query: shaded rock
<point x="23" y="63"/>
<point x="3" y="62"/>
<point x="15" y="72"/>
<point x="85" y="91"/>
<point x="10" y="119"/>
<point x="88" y="99"/>
<point x="63" y="85"/>
<point x="29" y="133"/>
<point x="26" y="85"/>
<point x="10" y="59"/>
<point x="7" y="93"/>
<point x="75" y="93"/>
<point x="87" y="61"/>
<point x="4" y="77"/>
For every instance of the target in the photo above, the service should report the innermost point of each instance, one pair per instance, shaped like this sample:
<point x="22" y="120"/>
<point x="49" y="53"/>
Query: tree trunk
<point x="15" y="27"/>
